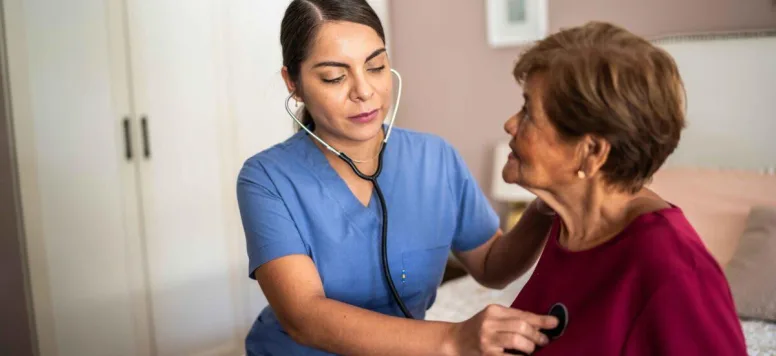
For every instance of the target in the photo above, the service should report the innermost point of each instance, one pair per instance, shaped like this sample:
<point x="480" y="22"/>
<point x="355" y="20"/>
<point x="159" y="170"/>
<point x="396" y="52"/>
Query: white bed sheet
<point x="460" y="299"/>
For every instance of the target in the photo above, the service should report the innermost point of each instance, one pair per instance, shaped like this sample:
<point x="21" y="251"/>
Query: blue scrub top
<point x="293" y="202"/>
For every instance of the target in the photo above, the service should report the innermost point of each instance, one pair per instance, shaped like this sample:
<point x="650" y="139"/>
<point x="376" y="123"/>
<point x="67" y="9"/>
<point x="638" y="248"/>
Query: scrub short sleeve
<point x="270" y="232"/>
<point x="476" y="221"/>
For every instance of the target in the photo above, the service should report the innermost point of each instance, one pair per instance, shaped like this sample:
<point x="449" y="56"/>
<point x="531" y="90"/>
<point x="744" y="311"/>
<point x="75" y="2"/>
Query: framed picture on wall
<point x="515" y="22"/>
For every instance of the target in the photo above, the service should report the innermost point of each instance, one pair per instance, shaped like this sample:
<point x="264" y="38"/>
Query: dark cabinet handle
<point x="127" y="139"/>
<point x="146" y="141"/>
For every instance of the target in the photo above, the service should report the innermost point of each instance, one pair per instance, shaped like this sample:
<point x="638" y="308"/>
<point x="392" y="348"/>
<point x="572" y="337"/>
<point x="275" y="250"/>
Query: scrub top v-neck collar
<point x="364" y="217"/>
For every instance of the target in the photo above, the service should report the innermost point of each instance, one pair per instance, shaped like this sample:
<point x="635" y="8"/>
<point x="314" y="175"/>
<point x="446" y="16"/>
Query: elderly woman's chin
<point x="511" y="171"/>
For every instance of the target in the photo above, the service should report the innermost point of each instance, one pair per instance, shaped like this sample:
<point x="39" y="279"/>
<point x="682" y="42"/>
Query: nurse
<point x="313" y="226"/>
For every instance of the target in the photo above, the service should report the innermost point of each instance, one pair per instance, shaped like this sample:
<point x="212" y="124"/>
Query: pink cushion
<point x="717" y="203"/>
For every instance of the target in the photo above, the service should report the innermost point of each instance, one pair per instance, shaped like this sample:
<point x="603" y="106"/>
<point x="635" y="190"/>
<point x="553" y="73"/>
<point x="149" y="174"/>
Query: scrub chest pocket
<point x="422" y="270"/>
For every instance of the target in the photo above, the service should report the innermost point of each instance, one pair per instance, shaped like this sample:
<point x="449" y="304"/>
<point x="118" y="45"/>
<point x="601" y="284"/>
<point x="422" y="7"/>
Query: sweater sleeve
<point x="690" y="314"/>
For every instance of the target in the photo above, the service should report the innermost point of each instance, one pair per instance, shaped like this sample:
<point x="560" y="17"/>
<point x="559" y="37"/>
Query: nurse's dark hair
<point x="300" y="26"/>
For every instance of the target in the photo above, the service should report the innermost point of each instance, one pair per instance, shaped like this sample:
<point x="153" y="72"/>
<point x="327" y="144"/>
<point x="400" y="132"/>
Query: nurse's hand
<point x="496" y="328"/>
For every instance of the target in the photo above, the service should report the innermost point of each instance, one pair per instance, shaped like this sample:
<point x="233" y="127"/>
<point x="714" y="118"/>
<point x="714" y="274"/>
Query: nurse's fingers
<point x="539" y="321"/>
<point x="522" y="329"/>
<point x="510" y="342"/>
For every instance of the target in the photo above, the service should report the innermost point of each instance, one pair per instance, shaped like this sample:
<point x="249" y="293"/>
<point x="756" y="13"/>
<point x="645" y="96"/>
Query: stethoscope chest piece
<point x="559" y="311"/>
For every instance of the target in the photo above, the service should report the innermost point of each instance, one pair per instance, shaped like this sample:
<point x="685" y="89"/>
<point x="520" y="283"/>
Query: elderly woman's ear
<point x="594" y="151"/>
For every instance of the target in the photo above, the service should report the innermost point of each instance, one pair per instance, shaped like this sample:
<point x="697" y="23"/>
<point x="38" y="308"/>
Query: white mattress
<point x="460" y="299"/>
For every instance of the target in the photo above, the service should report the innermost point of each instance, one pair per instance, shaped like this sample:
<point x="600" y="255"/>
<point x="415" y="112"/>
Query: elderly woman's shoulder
<point x="667" y="244"/>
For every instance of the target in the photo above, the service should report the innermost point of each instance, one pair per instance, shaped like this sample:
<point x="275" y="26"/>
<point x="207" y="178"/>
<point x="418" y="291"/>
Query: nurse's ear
<point x="290" y="84"/>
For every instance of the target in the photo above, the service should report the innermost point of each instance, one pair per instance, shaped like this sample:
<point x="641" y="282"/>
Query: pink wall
<point x="458" y="87"/>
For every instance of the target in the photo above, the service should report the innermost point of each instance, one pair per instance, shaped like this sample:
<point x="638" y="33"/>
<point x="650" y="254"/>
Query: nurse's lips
<point x="364" y="117"/>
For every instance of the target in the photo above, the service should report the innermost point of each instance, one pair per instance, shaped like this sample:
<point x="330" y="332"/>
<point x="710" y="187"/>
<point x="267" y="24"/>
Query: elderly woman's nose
<point x="511" y="125"/>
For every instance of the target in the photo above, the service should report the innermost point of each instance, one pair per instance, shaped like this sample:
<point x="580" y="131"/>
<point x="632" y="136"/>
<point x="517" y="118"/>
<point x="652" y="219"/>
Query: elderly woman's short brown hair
<point x="604" y="81"/>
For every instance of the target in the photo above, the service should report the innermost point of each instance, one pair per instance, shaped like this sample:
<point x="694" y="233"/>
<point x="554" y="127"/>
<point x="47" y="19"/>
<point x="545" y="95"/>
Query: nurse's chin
<point x="364" y="133"/>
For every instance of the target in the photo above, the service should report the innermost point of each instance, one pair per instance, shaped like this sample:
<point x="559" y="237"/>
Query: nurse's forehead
<point x="345" y="42"/>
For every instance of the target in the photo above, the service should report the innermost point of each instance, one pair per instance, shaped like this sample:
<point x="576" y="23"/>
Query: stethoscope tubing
<point x="384" y="231"/>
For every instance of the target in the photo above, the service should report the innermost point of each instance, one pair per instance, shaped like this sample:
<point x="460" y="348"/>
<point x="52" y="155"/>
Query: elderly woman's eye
<point x="524" y="114"/>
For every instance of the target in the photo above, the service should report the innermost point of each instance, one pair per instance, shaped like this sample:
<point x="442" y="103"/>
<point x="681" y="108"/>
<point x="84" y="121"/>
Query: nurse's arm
<point x="293" y="288"/>
<point x="507" y="256"/>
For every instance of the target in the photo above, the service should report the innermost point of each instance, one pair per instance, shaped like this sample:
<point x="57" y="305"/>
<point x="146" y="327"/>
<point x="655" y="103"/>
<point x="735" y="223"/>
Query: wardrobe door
<point x="69" y="108"/>
<point x="187" y="185"/>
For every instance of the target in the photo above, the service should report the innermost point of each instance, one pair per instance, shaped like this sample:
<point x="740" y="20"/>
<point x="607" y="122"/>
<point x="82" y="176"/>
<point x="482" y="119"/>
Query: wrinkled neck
<point x="590" y="214"/>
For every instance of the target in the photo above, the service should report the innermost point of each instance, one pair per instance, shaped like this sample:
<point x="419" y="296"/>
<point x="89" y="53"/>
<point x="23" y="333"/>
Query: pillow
<point x="717" y="203"/>
<point x="752" y="271"/>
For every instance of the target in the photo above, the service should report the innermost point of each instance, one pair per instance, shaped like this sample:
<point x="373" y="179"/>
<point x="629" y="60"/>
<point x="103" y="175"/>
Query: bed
<point x="722" y="170"/>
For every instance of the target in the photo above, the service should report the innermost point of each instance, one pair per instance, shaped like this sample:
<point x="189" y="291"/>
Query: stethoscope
<point x="372" y="178"/>
<point x="558" y="310"/>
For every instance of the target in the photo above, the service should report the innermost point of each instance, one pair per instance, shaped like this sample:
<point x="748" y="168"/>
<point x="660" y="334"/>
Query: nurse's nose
<point x="362" y="90"/>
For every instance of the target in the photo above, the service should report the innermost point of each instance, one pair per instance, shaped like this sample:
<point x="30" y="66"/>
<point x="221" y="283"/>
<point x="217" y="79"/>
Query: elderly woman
<point x="603" y="110"/>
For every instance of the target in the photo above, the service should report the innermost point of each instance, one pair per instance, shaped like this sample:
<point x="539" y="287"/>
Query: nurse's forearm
<point x="347" y="330"/>
<point x="514" y="252"/>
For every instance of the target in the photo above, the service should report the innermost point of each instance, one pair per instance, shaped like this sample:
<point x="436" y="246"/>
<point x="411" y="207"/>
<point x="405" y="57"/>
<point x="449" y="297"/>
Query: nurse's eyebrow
<point x="343" y="65"/>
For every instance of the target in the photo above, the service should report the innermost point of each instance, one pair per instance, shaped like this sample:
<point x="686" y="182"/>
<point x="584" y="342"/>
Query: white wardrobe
<point x="132" y="119"/>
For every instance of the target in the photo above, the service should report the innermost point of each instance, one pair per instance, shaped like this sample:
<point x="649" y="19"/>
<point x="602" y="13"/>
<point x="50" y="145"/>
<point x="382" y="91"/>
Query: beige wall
<point x="458" y="87"/>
